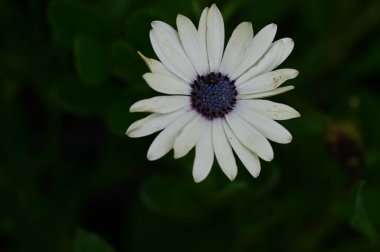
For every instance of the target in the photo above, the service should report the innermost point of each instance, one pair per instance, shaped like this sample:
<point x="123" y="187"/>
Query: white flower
<point x="213" y="99"/>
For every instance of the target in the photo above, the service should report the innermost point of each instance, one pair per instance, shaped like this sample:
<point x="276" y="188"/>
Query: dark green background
<point x="70" y="180"/>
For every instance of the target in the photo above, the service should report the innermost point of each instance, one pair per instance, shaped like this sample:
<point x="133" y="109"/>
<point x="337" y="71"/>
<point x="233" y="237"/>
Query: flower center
<point x="213" y="95"/>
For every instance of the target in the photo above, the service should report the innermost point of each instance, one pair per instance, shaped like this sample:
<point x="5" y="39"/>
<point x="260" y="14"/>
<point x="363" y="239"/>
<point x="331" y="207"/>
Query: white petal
<point x="267" y="81"/>
<point x="202" y="27"/>
<point x="266" y="126"/>
<point x="161" y="104"/>
<point x="215" y="38"/>
<point x="166" y="84"/>
<point x="248" y="158"/>
<point x="223" y="151"/>
<point x="236" y="46"/>
<point x="153" y="123"/>
<point x="188" y="137"/>
<point x="170" y="52"/>
<point x="165" y="140"/>
<point x="250" y="137"/>
<point x="276" y="54"/>
<point x="155" y="66"/>
<point x="191" y="42"/>
<point x="204" y="154"/>
<point x="265" y="94"/>
<point x="273" y="110"/>
<point x="255" y="50"/>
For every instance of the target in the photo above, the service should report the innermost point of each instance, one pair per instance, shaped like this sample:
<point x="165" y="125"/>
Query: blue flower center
<point x="213" y="95"/>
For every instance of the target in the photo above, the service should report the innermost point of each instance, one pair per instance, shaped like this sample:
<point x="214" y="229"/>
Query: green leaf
<point x="87" y="242"/>
<point x="126" y="64"/>
<point x="69" y="20"/>
<point x="172" y="196"/>
<point x="360" y="219"/>
<point x="90" y="60"/>
<point x="156" y="232"/>
<point x="72" y="97"/>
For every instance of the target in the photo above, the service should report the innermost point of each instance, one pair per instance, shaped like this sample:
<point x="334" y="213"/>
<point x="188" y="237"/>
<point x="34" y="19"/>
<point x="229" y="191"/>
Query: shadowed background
<point x="70" y="180"/>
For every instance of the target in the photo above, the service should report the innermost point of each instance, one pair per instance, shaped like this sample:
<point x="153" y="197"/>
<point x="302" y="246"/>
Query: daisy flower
<point x="213" y="97"/>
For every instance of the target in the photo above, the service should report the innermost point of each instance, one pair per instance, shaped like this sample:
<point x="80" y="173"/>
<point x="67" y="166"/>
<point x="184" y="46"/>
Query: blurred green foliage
<point x="69" y="71"/>
<point x="86" y="242"/>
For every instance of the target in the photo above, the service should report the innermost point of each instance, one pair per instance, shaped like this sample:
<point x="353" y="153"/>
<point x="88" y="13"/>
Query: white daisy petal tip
<point x="151" y="157"/>
<point x="294" y="73"/>
<point x="287" y="73"/>
<point x="272" y="28"/>
<point x="256" y="175"/>
<point x="155" y="24"/>
<point x="290" y="46"/>
<point x="133" y="127"/>
<point x="287" y="41"/>
<point x="178" y="155"/>
<point x="289" y="139"/>
<point x="179" y="150"/>
<point x="138" y="107"/>
<point x="146" y="76"/>
<point x="132" y="109"/>
<point x="198" y="178"/>
<point x="231" y="177"/>
<point x="268" y="158"/>
<point x="290" y="114"/>
<point x="213" y="6"/>
<point x="129" y="131"/>
<point x="181" y="18"/>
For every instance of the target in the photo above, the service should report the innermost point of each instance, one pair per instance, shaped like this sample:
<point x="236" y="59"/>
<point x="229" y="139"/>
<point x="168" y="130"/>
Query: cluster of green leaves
<point x="71" y="181"/>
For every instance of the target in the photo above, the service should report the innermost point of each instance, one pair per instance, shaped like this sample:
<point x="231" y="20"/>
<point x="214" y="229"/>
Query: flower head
<point x="213" y="96"/>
